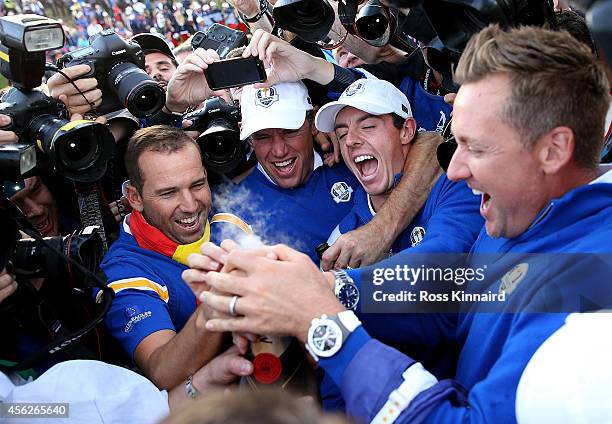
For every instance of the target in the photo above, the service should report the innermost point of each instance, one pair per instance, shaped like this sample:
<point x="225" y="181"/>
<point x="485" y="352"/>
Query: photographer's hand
<point x="6" y="136"/>
<point x="60" y="88"/>
<point x="8" y="285"/>
<point x="188" y="87"/>
<point x="287" y="63"/>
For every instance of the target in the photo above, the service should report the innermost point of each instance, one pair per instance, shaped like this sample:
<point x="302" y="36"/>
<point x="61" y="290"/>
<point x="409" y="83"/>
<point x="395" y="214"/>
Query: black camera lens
<point x="78" y="154"/>
<point x="311" y="20"/>
<point x="35" y="258"/>
<point x="79" y="150"/>
<point x="373" y="24"/>
<point x="146" y="99"/>
<point x="141" y="95"/>
<point x="221" y="147"/>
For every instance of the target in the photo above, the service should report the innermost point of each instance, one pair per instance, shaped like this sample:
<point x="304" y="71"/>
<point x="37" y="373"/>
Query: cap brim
<point x="325" y="120"/>
<point x="150" y="42"/>
<point x="288" y="120"/>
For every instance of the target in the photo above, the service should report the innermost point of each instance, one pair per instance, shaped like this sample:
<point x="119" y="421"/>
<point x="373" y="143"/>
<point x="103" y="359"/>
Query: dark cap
<point x="153" y="43"/>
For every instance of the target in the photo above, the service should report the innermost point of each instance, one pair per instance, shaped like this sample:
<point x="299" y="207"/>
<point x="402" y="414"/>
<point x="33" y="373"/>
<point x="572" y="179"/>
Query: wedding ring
<point x="232" y="306"/>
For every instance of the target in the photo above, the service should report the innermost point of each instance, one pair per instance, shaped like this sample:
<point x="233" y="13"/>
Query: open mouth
<point x="285" y="167"/>
<point x="485" y="200"/>
<point x="189" y="223"/>
<point x="367" y="165"/>
<point x="44" y="226"/>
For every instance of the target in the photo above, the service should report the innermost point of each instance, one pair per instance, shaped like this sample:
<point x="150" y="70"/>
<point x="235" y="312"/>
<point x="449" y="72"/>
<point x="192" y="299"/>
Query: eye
<point x="341" y="135"/>
<point x="166" y="194"/>
<point x="199" y="186"/>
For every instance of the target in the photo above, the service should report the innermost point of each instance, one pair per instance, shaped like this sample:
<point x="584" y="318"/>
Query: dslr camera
<point x="118" y="66"/>
<point x="222" y="149"/>
<point x="78" y="150"/>
<point x="219" y="38"/>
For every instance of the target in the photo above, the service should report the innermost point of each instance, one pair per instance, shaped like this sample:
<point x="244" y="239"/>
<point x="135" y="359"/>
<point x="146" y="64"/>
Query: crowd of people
<point x="290" y="270"/>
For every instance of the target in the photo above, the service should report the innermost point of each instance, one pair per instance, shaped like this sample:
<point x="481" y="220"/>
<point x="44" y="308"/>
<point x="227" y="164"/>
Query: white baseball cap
<point x="371" y="95"/>
<point x="281" y="105"/>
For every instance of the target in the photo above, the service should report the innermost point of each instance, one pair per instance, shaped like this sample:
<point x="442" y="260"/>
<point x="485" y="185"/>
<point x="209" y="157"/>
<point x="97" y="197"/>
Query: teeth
<point x="361" y="158"/>
<point x="283" y="164"/>
<point x="188" y="221"/>
<point x="477" y="193"/>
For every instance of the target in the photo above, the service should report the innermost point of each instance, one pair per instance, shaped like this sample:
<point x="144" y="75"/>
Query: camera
<point x="219" y="38"/>
<point x="79" y="150"/>
<point x="222" y="149"/>
<point x="311" y="20"/>
<point x="118" y="66"/>
<point x="34" y="259"/>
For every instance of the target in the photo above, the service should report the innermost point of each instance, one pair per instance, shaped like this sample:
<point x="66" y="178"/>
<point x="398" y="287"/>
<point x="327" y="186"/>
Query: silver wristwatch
<point x="345" y="289"/>
<point x="327" y="334"/>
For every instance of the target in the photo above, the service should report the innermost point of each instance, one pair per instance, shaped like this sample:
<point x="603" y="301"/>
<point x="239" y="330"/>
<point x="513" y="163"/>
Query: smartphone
<point x="235" y="72"/>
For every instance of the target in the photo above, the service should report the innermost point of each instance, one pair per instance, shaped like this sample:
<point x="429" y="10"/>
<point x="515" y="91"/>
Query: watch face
<point x="325" y="339"/>
<point x="348" y="295"/>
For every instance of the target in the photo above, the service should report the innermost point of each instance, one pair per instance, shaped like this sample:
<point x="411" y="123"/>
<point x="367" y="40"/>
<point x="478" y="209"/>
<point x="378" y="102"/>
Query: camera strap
<point x="89" y="208"/>
<point x="63" y="340"/>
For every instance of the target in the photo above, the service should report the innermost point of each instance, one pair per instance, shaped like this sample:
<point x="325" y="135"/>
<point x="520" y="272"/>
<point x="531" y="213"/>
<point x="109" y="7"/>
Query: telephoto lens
<point x="79" y="150"/>
<point x="374" y="24"/>
<point x="35" y="259"/>
<point x="222" y="149"/>
<point x="311" y="20"/>
<point x="141" y="95"/>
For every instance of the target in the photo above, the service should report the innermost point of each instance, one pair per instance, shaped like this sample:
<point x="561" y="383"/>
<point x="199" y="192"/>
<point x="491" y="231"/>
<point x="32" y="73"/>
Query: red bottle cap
<point x="267" y="368"/>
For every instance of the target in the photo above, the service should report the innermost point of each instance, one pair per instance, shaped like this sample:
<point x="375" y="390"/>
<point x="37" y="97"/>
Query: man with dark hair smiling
<point x="154" y="315"/>
<point x="375" y="128"/>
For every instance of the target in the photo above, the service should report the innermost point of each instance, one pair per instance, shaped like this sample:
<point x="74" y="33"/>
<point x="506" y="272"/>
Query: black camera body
<point x="79" y="150"/>
<point x="220" y="38"/>
<point x="222" y="149"/>
<point x="118" y="66"/>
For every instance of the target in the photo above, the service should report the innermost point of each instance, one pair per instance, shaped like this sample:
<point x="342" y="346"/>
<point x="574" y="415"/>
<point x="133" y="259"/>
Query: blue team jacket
<point x="301" y="217"/>
<point x="495" y="346"/>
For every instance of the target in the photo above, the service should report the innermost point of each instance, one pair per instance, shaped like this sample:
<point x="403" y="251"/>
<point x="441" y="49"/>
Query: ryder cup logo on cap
<point x="266" y="96"/>
<point x="281" y="106"/>
<point x="354" y="88"/>
<point x="371" y="95"/>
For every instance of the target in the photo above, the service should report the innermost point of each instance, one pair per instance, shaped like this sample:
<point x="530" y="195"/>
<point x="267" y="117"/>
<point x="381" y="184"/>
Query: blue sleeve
<point x="135" y="315"/>
<point x="493" y="398"/>
<point x="140" y="305"/>
<point x="455" y="221"/>
<point x="373" y="376"/>
<point x="453" y="227"/>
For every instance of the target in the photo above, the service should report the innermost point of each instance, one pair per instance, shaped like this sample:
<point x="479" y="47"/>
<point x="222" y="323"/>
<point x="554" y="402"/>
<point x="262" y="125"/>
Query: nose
<point x="352" y="138"/>
<point x="189" y="203"/>
<point x="31" y="208"/>
<point x="458" y="169"/>
<point x="279" y="147"/>
<point x="351" y="60"/>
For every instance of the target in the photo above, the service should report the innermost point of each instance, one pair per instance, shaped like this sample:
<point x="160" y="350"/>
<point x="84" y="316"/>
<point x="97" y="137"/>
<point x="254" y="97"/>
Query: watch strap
<point x="349" y="320"/>
<point x="264" y="9"/>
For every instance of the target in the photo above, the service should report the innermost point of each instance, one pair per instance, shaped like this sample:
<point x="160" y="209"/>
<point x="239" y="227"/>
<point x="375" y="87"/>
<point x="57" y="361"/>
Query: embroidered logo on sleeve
<point x="135" y="316"/>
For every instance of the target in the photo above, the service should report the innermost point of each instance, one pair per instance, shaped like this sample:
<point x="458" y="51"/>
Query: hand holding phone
<point x="235" y="72"/>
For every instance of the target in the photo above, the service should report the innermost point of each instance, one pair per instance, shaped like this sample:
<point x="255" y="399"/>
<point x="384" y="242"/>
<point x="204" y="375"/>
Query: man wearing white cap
<point x="375" y="128"/>
<point x="293" y="198"/>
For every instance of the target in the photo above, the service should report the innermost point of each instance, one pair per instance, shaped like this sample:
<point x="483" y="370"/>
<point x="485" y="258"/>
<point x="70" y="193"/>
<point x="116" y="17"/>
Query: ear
<point x="408" y="131"/>
<point x="556" y="149"/>
<point x="134" y="198"/>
